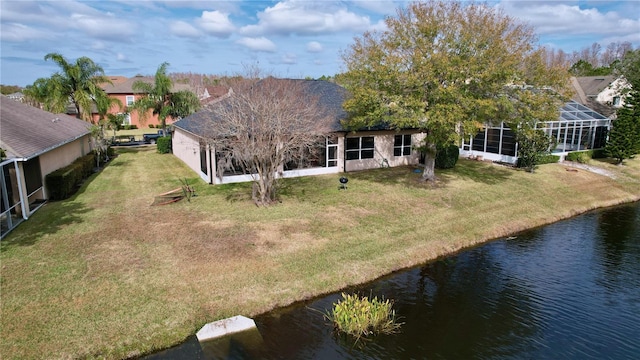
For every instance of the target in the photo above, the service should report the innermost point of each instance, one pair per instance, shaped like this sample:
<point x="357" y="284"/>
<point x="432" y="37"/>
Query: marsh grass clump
<point x="360" y="316"/>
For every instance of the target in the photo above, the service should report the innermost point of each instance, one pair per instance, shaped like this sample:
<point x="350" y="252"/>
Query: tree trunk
<point x="429" y="173"/>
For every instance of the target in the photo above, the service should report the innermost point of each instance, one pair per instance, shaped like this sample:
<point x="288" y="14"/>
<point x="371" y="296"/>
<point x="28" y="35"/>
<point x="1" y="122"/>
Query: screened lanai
<point x="577" y="128"/>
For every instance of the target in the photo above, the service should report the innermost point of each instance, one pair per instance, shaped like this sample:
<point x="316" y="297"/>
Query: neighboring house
<point x="123" y="91"/>
<point x="577" y="128"/>
<point x="212" y="93"/>
<point x="341" y="151"/>
<point x="600" y="93"/>
<point x="35" y="143"/>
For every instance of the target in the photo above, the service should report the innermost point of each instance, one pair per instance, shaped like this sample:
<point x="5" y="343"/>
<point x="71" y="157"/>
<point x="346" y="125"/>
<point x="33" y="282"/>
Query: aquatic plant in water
<point x="360" y="316"/>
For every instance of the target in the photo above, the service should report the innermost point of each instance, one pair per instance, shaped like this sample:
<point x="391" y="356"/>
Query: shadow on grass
<point x="476" y="171"/>
<point x="410" y="176"/>
<point x="48" y="220"/>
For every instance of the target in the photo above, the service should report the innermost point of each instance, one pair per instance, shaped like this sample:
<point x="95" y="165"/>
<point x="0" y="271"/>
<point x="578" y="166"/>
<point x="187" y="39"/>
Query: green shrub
<point x="164" y="144"/>
<point x="358" y="316"/>
<point x="598" y="154"/>
<point x="544" y="159"/>
<point x="447" y="156"/>
<point x="549" y="159"/>
<point x="63" y="182"/>
<point x="151" y="126"/>
<point x="582" y="157"/>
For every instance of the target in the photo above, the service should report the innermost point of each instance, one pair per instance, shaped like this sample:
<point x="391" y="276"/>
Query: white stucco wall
<point x="186" y="147"/>
<point x="383" y="144"/>
<point x="606" y="96"/>
<point x="63" y="156"/>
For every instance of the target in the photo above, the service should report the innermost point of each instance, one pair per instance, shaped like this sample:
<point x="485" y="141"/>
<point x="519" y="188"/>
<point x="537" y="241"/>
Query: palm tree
<point x="162" y="100"/>
<point x="104" y="103"/>
<point x="78" y="82"/>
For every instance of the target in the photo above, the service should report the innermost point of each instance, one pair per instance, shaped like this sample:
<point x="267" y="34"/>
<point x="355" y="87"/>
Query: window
<point x="203" y="158"/>
<point x="32" y="175"/>
<point x="402" y="145"/>
<point x="126" y="118"/>
<point x="360" y="148"/>
<point x="324" y="153"/>
<point x="130" y="100"/>
<point x="478" y="141"/>
<point x="616" y="101"/>
<point x="493" y="141"/>
<point x="508" y="143"/>
<point x="332" y="151"/>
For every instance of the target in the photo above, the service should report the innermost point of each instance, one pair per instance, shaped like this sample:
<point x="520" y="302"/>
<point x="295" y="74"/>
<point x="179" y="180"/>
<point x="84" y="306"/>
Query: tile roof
<point x="126" y="87"/>
<point x="330" y="95"/>
<point x="26" y="131"/>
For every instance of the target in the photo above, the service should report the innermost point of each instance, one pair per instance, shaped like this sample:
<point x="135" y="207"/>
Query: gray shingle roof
<point x="26" y="131"/>
<point x="330" y="95"/>
<point x="593" y="85"/>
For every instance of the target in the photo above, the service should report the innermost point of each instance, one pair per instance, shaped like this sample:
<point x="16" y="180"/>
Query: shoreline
<point x="149" y="277"/>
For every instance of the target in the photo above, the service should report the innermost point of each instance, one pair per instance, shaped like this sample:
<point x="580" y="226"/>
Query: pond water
<point x="570" y="290"/>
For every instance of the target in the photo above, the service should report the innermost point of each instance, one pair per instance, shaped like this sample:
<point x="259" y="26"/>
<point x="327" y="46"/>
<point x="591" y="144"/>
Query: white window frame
<point x="127" y="118"/>
<point x="360" y="149"/>
<point x="130" y="99"/>
<point x="403" y="146"/>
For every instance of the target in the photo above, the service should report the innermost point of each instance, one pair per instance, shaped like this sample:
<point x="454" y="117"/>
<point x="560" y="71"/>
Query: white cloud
<point x="101" y="27"/>
<point x="307" y="18"/>
<point x="184" y="29"/>
<point x="564" y="19"/>
<point x="314" y="47"/>
<point x="258" y="44"/>
<point x="216" y="23"/>
<point x="289" y="58"/>
<point x="13" y="32"/>
<point x="121" y="57"/>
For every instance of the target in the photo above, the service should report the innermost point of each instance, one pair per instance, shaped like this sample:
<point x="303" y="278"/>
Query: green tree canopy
<point x="77" y="82"/>
<point x="584" y="68"/>
<point x="624" y="138"/>
<point x="448" y="68"/>
<point x="161" y="100"/>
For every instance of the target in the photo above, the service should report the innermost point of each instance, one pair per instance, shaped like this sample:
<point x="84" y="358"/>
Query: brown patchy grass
<point x="106" y="275"/>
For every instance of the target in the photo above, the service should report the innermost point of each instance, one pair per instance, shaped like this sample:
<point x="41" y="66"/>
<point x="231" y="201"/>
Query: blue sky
<point x="288" y="38"/>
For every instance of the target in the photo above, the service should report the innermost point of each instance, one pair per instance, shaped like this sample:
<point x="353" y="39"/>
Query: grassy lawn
<point x="106" y="275"/>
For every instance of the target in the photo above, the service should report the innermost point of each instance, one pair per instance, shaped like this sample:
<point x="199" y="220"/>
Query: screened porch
<point x="577" y="128"/>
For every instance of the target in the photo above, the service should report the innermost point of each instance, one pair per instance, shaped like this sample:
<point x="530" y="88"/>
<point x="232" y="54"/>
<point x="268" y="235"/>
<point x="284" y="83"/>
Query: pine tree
<point x="624" y="138"/>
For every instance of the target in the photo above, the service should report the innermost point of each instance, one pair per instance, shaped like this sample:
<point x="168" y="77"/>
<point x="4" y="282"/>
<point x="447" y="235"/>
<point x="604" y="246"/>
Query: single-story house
<point x="341" y="151"/>
<point x="34" y="143"/>
<point x="577" y="128"/>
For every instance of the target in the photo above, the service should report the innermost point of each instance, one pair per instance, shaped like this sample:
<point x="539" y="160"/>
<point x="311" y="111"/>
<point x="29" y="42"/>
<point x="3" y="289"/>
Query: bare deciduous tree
<point x="262" y="125"/>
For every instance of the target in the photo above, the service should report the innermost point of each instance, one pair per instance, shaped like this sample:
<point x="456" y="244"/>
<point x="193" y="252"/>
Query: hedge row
<point x="584" y="156"/>
<point x="164" y="144"/>
<point x="544" y="159"/>
<point x="64" y="182"/>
